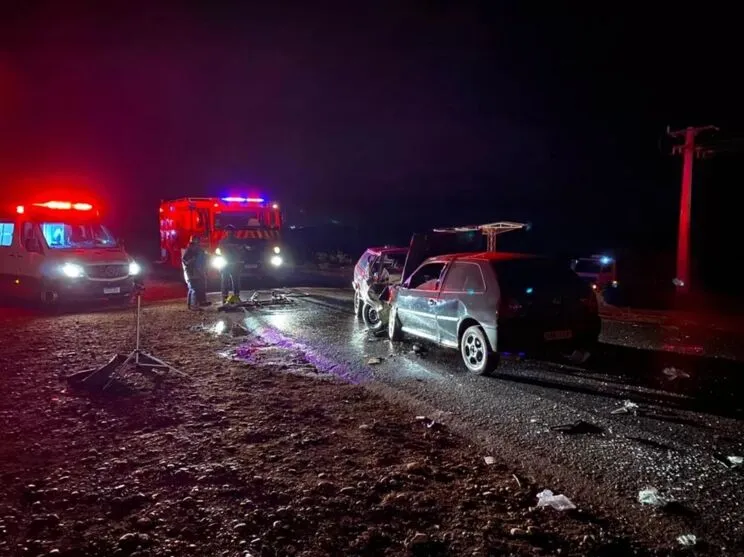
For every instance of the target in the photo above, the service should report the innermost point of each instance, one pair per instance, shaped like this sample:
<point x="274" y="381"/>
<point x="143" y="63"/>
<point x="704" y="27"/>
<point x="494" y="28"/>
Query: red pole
<point x="683" y="236"/>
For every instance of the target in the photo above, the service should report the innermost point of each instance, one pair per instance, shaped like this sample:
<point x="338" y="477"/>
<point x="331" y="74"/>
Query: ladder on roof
<point x="490" y="231"/>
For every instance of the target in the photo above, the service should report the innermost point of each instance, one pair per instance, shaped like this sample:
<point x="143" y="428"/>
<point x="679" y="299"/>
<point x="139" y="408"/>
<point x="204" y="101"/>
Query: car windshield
<point x="588" y="266"/>
<point x="62" y="235"/>
<point x="238" y="220"/>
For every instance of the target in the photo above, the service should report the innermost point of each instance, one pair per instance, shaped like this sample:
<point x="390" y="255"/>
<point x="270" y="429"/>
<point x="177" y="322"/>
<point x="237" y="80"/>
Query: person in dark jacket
<point x="194" y="261"/>
<point x="231" y="250"/>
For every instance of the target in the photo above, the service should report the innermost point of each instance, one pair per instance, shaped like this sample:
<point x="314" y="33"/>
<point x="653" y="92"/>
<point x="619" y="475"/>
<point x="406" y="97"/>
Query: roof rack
<point x="490" y="230"/>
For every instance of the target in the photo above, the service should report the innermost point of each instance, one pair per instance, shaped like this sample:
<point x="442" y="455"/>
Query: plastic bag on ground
<point x="650" y="496"/>
<point x="559" y="502"/>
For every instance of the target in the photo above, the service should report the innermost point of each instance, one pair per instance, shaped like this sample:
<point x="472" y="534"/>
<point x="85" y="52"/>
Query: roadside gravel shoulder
<point x="257" y="453"/>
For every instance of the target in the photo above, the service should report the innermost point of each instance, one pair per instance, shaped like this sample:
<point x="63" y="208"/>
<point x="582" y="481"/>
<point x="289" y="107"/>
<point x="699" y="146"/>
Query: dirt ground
<point x="259" y="455"/>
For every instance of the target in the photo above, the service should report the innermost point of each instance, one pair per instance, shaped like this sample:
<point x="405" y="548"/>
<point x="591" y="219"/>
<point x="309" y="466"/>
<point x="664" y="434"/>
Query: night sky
<point x="428" y="113"/>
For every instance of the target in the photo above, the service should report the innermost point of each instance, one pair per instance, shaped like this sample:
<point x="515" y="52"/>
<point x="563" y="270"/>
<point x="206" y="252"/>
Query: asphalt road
<point x="678" y="439"/>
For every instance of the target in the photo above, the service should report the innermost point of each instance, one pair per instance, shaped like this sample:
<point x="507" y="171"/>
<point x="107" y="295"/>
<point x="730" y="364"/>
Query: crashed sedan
<point x="489" y="302"/>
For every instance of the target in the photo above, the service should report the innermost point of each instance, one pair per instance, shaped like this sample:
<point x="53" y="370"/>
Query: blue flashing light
<point x="243" y="199"/>
<point x="529" y="290"/>
<point x="604" y="260"/>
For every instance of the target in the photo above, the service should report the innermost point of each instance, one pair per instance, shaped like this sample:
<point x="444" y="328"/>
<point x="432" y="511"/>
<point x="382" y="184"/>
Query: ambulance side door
<point x="30" y="258"/>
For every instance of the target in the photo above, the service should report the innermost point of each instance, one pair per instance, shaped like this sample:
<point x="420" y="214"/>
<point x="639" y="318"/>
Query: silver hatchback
<point x="485" y="303"/>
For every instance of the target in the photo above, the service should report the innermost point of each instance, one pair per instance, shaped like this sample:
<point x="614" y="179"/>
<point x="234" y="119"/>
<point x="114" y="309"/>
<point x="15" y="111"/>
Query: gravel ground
<point x="261" y="451"/>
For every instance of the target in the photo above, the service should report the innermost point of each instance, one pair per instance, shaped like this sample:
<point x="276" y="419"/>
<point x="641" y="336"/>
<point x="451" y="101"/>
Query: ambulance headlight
<point x="277" y="249"/>
<point x="276" y="260"/>
<point x="219" y="262"/>
<point x="134" y="268"/>
<point x="72" y="270"/>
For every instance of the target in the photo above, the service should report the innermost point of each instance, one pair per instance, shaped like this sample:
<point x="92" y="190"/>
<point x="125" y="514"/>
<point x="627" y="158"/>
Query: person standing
<point x="230" y="249"/>
<point x="194" y="261"/>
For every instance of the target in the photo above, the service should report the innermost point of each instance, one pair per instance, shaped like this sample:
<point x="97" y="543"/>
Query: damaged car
<point x="375" y="270"/>
<point x="489" y="302"/>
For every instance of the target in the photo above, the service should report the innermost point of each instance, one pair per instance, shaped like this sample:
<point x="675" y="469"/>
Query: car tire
<point x="476" y="353"/>
<point x="394" y="330"/>
<point x="357" y="304"/>
<point x="372" y="317"/>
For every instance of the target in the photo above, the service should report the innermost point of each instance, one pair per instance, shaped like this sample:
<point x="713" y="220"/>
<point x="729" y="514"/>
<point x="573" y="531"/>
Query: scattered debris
<point x="559" y="502"/>
<point x="577" y="428"/>
<point x="516" y="479"/>
<point x="627" y="407"/>
<point x="374" y="361"/>
<point x="489" y="460"/>
<point x="673" y="373"/>
<point x="516" y="532"/>
<point x="650" y="496"/>
<point x="687" y="540"/>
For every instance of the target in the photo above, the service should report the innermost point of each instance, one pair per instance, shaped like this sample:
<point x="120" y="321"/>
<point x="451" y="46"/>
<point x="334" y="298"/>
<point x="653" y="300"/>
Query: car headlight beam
<point x="219" y="262"/>
<point x="134" y="268"/>
<point x="276" y="260"/>
<point x="72" y="270"/>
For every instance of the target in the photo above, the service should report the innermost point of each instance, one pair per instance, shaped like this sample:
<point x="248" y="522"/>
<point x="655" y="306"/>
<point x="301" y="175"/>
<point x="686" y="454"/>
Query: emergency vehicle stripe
<point x="246" y="234"/>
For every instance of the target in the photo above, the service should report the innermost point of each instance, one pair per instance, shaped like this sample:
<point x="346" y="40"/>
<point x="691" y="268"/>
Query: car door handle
<point x="432" y="301"/>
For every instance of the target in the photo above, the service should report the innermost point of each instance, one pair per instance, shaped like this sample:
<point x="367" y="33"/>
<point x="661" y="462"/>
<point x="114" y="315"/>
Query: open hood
<point x="431" y="244"/>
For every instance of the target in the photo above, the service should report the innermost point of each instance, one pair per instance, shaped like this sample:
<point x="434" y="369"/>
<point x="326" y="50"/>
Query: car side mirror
<point x="33" y="245"/>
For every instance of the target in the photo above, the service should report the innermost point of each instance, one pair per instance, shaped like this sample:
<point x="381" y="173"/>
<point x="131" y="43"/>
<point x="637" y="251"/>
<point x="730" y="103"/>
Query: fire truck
<point x="256" y="222"/>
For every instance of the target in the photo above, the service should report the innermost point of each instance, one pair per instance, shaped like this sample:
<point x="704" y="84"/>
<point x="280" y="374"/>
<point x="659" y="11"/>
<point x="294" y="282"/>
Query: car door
<point x="417" y="299"/>
<point x="462" y="287"/>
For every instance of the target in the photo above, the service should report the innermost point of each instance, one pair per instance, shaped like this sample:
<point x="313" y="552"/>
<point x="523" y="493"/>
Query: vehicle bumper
<point x="523" y="334"/>
<point x="82" y="289"/>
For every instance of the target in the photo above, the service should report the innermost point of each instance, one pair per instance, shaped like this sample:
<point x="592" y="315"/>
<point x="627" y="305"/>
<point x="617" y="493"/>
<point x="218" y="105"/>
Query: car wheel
<point x="372" y="317"/>
<point x="394" y="332"/>
<point x="476" y="353"/>
<point x="357" y="304"/>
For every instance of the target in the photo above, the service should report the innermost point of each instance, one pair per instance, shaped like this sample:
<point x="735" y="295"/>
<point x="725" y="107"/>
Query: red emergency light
<point x="62" y="205"/>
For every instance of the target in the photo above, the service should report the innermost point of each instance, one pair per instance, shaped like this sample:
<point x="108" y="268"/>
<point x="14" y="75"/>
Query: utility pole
<point x="689" y="150"/>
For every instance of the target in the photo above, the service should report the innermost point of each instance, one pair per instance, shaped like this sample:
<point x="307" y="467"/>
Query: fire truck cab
<point x="59" y="251"/>
<point x="257" y="225"/>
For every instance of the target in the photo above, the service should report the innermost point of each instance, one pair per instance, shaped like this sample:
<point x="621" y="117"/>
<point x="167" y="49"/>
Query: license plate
<point x="116" y="290"/>
<point x="558" y="335"/>
<point x="251" y="266"/>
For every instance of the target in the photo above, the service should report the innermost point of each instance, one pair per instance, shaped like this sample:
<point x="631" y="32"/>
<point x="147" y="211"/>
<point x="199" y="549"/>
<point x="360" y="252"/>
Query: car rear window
<point x="516" y="275"/>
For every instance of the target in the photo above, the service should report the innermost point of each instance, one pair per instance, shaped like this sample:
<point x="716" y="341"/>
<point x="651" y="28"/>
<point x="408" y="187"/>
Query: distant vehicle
<point x="257" y="225"/>
<point x="488" y="302"/>
<point x="59" y="251"/>
<point x="376" y="269"/>
<point x="599" y="271"/>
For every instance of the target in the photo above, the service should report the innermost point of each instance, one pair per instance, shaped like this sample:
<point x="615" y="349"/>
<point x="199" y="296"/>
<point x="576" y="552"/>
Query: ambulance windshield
<point x="61" y="235"/>
<point x="239" y="220"/>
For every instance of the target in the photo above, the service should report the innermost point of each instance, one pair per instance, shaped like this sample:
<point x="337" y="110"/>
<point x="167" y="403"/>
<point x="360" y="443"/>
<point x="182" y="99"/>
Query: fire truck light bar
<point x="243" y="199"/>
<point x="65" y="205"/>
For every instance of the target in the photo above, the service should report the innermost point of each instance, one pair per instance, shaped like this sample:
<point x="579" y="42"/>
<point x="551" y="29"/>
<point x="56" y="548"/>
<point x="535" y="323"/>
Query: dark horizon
<point x="425" y="114"/>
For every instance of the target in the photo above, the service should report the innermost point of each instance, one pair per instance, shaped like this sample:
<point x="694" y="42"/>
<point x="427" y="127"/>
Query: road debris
<point x="577" y="428"/>
<point x="673" y="373"/>
<point x="650" y="496"/>
<point x="374" y="362"/>
<point x="735" y="460"/>
<point x="559" y="502"/>
<point x="627" y="407"/>
<point x="489" y="460"/>
<point x="687" y="540"/>
<point x="516" y="479"/>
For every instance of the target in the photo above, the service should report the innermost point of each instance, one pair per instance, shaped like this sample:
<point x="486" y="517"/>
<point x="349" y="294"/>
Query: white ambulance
<point x="59" y="251"/>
